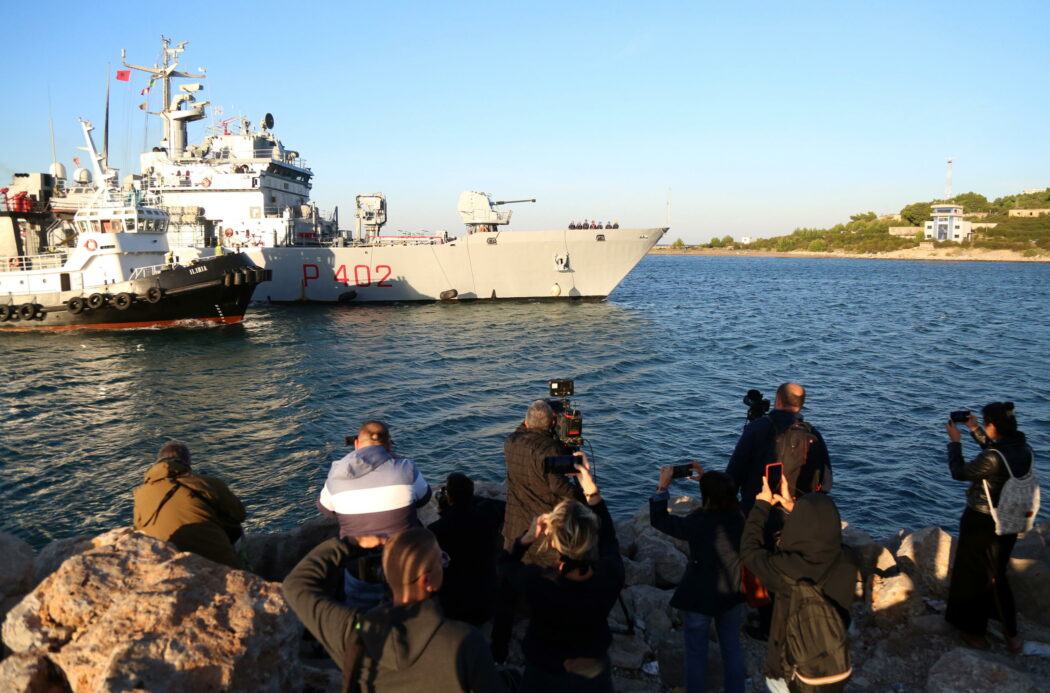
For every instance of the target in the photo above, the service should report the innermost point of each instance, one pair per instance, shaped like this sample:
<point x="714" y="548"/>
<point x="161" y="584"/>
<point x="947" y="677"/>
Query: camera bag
<point x="1018" y="500"/>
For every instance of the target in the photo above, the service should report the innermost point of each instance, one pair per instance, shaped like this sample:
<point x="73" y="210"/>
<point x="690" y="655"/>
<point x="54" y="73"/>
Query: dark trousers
<point x="979" y="588"/>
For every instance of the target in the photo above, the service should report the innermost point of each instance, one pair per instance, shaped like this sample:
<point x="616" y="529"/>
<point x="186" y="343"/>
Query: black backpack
<point x="816" y="645"/>
<point x="791" y="448"/>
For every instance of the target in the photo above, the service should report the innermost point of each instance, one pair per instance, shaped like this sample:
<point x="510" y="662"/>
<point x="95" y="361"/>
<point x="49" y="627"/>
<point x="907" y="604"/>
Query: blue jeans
<point x="728" y="628"/>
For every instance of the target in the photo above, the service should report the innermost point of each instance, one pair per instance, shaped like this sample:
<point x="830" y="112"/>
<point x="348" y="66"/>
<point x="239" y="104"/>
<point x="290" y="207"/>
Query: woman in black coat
<point x="710" y="589"/>
<point x="979" y="588"/>
<point x="810" y="547"/>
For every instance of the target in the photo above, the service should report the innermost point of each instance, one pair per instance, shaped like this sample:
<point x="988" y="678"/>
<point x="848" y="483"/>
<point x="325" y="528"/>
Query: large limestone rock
<point x="16" y="570"/>
<point x="651" y="610"/>
<point x="895" y="600"/>
<point x="667" y="561"/>
<point x="55" y="554"/>
<point x="133" y="613"/>
<point x="926" y="555"/>
<point x="25" y="672"/>
<point x="1030" y="581"/>
<point x="961" y="671"/>
<point x="874" y="557"/>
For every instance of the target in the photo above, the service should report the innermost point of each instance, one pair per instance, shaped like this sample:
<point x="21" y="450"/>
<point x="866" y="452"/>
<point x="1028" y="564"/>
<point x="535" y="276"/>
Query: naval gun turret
<point x="371" y="215"/>
<point x="479" y="213"/>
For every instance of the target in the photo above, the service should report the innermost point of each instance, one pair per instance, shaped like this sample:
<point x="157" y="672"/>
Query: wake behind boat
<point x="243" y="190"/>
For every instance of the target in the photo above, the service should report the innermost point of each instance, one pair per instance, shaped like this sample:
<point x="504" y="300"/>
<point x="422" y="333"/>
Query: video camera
<point x="757" y="405"/>
<point x="568" y="422"/>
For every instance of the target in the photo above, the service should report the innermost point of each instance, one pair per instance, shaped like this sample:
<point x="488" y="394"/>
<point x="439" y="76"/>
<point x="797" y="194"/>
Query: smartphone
<point x="560" y="464"/>
<point x="774" y="473"/>
<point x="961" y="416"/>
<point x="682" y="470"/>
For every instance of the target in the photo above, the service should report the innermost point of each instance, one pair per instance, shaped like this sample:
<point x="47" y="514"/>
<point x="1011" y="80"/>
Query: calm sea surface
<point x="886" y="349"/>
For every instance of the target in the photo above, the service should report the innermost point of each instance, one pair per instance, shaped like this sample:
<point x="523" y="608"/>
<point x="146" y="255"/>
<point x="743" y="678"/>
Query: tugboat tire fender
<point x="238" y="278"/>
<point x="75" y="305"/>
<point x="123" y="300"/>
<point x="260" y="275"/>
<point x="96" y="301"/>
<point x="27" y="311"/>
<point x="5" y="313"/>
<point x="154" y="294"/>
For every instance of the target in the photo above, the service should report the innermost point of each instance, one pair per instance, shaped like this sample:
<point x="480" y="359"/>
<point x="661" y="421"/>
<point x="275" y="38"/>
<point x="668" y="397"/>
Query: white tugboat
<point x="111" y="268"/>
<point x="243" y="190"/>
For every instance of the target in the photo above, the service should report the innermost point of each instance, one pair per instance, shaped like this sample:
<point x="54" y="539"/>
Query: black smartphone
<point x="682" y="470"/>
<point x="560" y="464"/>
<point x="961" y="416"/>
<point x="774" y="473"/>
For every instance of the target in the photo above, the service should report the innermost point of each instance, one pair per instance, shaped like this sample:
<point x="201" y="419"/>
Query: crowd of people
<point x="574" y="225"/>
<point x="399" y="606"/>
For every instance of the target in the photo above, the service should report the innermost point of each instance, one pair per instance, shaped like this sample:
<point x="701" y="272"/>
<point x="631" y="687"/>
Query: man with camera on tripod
<point x="531" y="491"/>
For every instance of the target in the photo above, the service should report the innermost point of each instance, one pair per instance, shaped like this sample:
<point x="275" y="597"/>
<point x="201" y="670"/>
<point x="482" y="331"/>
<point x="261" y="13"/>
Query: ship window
<point x="130" y="224"/>
<point x="599" y="237"/>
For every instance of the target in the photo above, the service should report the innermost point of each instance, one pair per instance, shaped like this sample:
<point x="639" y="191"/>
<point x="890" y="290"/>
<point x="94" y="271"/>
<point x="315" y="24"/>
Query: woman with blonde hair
<point x="567" y="641"/>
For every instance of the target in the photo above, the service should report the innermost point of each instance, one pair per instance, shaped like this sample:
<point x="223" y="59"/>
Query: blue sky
<point x="754" y="117"/>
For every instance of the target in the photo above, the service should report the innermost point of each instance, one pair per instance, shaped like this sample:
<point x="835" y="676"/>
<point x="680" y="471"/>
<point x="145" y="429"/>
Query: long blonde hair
<point x="573" y="531"/>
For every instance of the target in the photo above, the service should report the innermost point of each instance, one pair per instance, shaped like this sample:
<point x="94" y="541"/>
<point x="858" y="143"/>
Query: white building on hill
<point x="947" y="224"/>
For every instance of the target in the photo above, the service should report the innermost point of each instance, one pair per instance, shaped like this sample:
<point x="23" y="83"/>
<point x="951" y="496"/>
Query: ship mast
<point x="175" y="118"/>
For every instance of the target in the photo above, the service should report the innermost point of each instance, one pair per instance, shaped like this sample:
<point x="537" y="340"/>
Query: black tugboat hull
<point x="214" y="291"/>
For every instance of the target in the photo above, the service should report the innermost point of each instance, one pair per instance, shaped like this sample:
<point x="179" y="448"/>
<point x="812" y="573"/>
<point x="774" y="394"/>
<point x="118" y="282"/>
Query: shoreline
<point x="937" y="255"/>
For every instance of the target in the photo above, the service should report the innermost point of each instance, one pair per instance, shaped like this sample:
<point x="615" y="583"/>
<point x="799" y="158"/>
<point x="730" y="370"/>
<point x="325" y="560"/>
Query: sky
<point x="720" y="118"/>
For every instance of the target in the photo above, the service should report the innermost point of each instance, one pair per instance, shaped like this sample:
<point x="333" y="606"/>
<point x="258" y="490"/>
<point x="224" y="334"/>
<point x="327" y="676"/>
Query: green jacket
<point x="193" y="512"/>
<point x="411" y="647"/>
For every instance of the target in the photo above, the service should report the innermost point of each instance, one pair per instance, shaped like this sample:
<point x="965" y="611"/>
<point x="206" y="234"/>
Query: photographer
<point x="979" y="586"/>
<point x="372" y="492"/>
<point x="405" y="646"/>
<point x="567" y="641"/>
<point x="530" y="490"/>
<point x="710" y="589"/>
<point x="810" y="549"/>
<point x="469" y="532"/>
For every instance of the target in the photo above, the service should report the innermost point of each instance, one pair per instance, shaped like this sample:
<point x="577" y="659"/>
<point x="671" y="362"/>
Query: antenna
<point x="51" y="119"/>
<point x="105" y="129"/>
<point x="948" y="182"/>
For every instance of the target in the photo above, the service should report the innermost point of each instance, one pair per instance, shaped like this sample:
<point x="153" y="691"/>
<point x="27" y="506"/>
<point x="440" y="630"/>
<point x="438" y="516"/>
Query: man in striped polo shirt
<point x="372" y="493"/>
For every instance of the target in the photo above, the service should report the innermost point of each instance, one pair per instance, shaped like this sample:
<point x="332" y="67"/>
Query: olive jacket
<point x="195" y="513"/>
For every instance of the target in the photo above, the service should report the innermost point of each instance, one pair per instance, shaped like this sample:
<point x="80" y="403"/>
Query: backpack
<point x="1018" y="501"/>
<point x="791" y="447"/>
<point x="816" y="644"/>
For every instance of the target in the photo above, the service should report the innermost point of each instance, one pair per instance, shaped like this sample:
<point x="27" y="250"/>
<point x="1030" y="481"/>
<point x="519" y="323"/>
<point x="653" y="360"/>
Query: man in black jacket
<point x="469" y="532"/>
<point x="530" y="491"/>
<point x="405" y="646"/>
<point x="756" y="447"/>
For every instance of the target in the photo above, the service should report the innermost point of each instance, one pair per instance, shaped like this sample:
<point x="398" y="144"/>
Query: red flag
<point x="124" y="75"/>
<point x="144" y="91"/>
<point x="76" y="160"/>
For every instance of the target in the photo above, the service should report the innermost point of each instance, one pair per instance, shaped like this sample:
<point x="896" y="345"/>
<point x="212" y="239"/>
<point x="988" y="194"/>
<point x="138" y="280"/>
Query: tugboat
<point x="112" y="269"/>
<point x="240" y="188"/>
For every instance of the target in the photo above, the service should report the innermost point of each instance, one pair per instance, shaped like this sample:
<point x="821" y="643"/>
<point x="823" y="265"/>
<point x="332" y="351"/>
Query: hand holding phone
<point x="774" y="474"/>
<point x="560" y="464"/>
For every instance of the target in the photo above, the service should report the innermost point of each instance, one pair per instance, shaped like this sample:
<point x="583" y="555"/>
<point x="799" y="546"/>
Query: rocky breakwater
<point x="122" y="611"/>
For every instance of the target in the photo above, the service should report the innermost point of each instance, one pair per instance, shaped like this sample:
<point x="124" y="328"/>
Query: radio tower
<point x="948" y="182"/>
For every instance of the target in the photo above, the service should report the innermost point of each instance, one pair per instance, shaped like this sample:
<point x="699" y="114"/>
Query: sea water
<point x="885" y="348"/>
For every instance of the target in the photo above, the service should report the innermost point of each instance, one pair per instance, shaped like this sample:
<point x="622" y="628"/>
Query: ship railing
<point x="147" y="271"/>
<point x="25" y="263"/>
